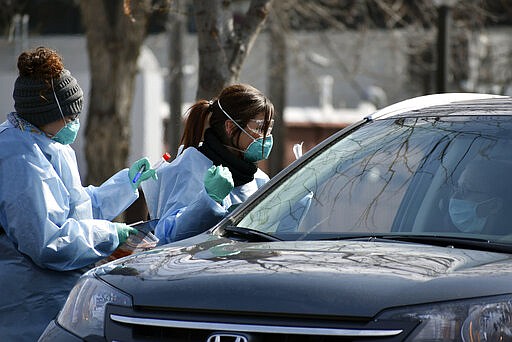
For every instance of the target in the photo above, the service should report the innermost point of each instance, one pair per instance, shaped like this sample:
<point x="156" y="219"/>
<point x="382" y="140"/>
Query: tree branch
<point x="246" y="35"/>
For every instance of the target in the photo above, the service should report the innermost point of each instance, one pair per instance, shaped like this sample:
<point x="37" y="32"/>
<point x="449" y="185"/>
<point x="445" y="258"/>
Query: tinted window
<point x="399" y="176"/>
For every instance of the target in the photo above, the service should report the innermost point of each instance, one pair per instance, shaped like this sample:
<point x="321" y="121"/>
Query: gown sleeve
<point x="35" y="214"/>
<point x="113" y="196"/>
<point x="195" y="218"/>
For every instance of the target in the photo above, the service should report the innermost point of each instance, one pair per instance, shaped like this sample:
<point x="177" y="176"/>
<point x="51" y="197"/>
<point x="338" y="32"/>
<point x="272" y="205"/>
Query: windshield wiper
<point x="435" y="240"/>
<point x="248" y="234"/>
<point x="453" y="241"/>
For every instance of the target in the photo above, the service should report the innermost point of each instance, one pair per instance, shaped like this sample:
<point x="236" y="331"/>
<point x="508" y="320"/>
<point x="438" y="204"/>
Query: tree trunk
<point x="277" y="92"/>
<point x="115" y="34"/>
<point x="177" y="20"/>
<point x="223" y="47"/>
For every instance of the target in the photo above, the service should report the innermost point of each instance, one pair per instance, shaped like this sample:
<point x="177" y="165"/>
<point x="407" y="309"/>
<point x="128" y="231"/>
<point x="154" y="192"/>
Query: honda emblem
<point x="221" y="337"/>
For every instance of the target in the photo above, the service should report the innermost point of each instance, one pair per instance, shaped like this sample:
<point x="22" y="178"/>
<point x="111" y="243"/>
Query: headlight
<point x="480" y="319"/>
<point x="84" y="311"/>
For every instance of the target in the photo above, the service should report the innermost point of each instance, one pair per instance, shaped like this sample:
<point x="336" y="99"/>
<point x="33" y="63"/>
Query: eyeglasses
<point x="258" y="126"/>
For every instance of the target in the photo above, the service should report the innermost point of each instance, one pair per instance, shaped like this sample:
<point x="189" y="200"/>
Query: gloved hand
<point x="123" y="231"/>
<point x="147" y="172"/>
<point x="218" y="182"/>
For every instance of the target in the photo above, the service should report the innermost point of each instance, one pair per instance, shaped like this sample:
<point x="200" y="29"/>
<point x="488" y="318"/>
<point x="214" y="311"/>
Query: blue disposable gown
<point x="178" y="198"/>
<point x="53" y="228"/>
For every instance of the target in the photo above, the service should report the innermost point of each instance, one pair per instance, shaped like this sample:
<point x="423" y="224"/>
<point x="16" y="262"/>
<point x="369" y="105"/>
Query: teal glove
<point x="123" y="231"/>
<point x="218" y="182"/>
<point x="140" y="171"/>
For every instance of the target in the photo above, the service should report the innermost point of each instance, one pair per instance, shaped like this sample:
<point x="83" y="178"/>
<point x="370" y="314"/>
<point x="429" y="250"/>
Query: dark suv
<point x="397" y="228"/>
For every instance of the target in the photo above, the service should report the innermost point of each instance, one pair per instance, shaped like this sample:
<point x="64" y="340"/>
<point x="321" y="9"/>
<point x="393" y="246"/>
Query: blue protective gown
<point x="179" y="199"/>
<point x="53" y="227"/>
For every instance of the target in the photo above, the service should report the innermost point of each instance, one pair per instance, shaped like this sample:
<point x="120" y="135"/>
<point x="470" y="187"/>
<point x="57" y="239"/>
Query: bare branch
<point x="246" y="35"/>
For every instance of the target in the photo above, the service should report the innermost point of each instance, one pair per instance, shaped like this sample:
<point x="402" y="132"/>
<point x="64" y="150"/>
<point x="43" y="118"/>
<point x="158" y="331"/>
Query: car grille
<point x="126" y="324"/>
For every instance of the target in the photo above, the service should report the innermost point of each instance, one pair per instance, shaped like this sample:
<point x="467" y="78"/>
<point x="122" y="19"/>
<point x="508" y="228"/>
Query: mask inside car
<point x="464" y="216"/>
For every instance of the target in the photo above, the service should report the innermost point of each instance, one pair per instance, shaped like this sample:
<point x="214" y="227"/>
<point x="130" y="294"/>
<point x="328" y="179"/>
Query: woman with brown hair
<point x="51" y="227"/>
<point x="223" y="140"/>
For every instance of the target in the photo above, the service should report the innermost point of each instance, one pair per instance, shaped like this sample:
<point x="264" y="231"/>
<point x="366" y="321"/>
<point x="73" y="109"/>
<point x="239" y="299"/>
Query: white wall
<point x="148" y="110"/>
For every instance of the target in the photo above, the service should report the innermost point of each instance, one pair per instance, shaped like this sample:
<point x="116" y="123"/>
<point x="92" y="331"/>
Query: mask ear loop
<point x="57" y="101"/>
<point x="243" y="130"/>
<point x="236" y="123"/>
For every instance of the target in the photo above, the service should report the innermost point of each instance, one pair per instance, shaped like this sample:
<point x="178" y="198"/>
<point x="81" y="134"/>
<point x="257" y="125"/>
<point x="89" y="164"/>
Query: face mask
<point x="254" y="152"/>
<point x="464" y="216"/>
<point x="258" y="149"/>
<point x="67" y="134"/>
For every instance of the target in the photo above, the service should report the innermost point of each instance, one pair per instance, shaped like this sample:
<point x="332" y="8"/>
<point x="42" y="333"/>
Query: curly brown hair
<point x="40" y="63"/>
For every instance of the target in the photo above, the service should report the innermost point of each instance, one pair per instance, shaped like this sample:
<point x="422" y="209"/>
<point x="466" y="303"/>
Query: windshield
<point x="428" y="176"/>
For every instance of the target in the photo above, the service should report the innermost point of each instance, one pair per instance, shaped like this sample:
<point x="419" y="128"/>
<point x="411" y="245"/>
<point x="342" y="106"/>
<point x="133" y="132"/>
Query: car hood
<point x="347" y="278"/>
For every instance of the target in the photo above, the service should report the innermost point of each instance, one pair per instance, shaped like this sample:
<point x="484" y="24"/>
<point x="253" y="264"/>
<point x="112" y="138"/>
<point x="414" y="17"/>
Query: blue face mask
<point x="464" y="215"/>
<point x="258" y="149"/>
<point x="67" y="134"/>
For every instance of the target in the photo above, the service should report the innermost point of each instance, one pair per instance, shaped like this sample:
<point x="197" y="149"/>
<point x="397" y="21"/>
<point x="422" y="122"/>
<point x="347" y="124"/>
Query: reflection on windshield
<point x="401" y="175"/>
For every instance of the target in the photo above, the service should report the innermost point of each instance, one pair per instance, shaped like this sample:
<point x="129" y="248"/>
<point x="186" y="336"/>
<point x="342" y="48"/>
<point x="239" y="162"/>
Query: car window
<point x="396" y="175"/>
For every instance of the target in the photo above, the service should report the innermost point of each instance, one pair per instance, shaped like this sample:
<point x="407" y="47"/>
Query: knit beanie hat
<point x="35" y="102"/>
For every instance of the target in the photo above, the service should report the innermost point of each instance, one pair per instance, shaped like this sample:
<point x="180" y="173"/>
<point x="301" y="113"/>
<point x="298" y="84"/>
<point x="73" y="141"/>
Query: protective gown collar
<point x="22" y="124"/>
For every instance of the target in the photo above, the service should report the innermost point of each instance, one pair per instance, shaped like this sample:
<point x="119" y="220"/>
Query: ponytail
<point x="195" y="124"/>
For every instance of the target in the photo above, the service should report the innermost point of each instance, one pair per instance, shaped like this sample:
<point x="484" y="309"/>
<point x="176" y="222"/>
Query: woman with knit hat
<point x="51" y="226"/>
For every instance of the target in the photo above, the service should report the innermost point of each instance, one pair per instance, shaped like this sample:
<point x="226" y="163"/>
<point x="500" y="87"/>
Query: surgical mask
<point x="259" y="148"/>
<point x="67" y="134"/>
<point x="463" y="214"/>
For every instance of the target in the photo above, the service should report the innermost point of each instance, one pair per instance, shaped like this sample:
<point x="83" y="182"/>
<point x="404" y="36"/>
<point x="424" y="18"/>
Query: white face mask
<point x="463" y="214"/>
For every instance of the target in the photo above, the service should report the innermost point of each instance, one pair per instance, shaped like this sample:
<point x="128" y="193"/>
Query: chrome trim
<point x="253" y="328"/>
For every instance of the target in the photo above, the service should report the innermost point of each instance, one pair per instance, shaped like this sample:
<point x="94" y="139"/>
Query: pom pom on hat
<point x="35" y="102"/>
